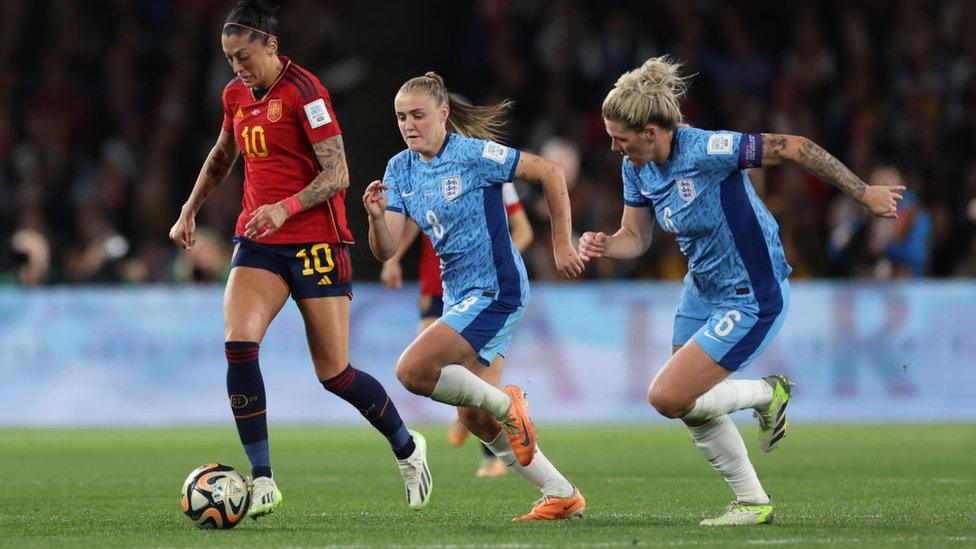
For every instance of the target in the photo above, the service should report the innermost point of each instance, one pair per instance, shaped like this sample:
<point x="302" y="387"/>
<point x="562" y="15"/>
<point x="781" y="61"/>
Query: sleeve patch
<point x="317" y="114"/>
<point x="719" y="143"/>
<point x="496" y="152"/>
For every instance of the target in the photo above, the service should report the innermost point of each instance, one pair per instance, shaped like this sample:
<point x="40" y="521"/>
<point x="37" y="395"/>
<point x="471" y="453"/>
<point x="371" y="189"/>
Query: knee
<point x="411" y="377"/>
<point x="665" y="404"/>
<point x="328" y="369"/>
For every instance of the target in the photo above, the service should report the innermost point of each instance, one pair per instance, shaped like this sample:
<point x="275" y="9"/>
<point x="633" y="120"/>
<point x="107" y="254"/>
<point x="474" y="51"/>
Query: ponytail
<point x="478" y="121"/>
<point x="649" y="94"/>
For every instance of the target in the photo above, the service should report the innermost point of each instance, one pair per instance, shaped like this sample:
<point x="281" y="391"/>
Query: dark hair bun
<point x="258" y="5"/>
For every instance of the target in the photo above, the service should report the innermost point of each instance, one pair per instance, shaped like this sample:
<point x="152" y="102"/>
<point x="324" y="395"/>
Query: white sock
<point x="729" y="396"/>
<point x="541" y="472"/>
<point x="722" y="445"/>
<point x="458" y="386"/>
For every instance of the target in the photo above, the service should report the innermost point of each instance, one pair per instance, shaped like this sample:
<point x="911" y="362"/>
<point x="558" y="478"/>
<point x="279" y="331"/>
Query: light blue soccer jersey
<point x="456" y="200"/>
<point x="703" y="195"/>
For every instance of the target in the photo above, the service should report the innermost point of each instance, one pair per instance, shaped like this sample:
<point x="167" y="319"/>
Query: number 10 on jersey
<point x="254" y="144"/>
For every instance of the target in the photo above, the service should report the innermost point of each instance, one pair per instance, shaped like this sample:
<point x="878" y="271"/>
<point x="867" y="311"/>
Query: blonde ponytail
<point x="649" y="94"/>
<point x="481" y="122"/>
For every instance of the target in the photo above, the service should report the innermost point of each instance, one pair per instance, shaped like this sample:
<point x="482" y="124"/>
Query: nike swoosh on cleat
<point x="567" y="507"/>
<point x="525" y="441"/>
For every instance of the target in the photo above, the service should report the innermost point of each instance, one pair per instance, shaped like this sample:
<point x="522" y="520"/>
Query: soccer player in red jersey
<point x="432" y="302"/>
<point x="292" y="239"/>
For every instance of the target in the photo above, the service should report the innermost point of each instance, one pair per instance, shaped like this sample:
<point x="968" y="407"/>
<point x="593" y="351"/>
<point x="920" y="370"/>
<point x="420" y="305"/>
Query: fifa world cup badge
<point x="451" y="187"/>
<point x="274" y="110"/>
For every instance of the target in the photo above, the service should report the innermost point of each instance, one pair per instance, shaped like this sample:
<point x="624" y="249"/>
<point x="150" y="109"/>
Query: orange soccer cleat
<point x="551" y="508"/>
<point x="518" y="426"/>
<point x="457" y="433"/>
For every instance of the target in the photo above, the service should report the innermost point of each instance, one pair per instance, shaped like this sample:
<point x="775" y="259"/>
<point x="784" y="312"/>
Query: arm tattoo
<point x="334" y="176"/>
<point x="214" y="171"/>
<point x="820" y="162"/>
<point x="774" y="149"/>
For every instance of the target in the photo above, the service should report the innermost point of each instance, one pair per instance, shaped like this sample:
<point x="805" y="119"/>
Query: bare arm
<point x="215" y="168"/>
<point x="521" y="229"/>
<point x="879" y="200"/>
<point x="333" y="179"/>
<point x="391" y="275"/>
<point x="630" y="241"/>
<point x="385" y="228"/>
<point x="409" y="234"/>
<point x="214" y="171"/>
<point x="535" y="168"/>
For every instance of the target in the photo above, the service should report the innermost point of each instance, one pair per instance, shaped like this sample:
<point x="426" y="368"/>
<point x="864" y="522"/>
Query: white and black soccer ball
<point x="215" y="496"/>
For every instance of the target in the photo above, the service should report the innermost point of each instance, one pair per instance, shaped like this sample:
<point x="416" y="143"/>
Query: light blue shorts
<point x="483" y="322"/>
<point x="735" y="331"/>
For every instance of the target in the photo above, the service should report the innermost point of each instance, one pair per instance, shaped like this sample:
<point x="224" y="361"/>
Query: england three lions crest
<point x="686" y="189"/>
<point x="451" y="187"/>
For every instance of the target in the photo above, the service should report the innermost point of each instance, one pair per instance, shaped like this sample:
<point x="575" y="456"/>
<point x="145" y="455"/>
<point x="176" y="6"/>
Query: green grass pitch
<point x="864" y="486"/>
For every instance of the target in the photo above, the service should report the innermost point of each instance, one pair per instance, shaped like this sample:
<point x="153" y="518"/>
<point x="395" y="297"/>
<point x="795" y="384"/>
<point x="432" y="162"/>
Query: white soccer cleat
<point x="416" y="474"/>
<point x="740" y="513"/>
<point x="265" y="497"/>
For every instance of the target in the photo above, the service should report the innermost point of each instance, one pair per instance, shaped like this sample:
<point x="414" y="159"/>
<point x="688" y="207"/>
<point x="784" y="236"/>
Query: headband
<point x="269" y="35"/>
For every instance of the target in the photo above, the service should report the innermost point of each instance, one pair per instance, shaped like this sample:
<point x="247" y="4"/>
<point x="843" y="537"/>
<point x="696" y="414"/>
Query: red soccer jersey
<point x="429" y="269"/>
<point x="275" y="135"/>
<point x="430" y="264"/>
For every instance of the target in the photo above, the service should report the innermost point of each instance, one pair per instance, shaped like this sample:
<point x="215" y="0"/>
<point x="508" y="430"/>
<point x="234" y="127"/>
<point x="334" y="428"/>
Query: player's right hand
<point x="182" y="232"/>
<point x="392" y="274"/>
<point x="592" y="245"/>
<point x="374" y="199"/>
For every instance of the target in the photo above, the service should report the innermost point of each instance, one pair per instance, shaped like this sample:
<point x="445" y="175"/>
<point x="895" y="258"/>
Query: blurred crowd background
<point x="109" y="107"/>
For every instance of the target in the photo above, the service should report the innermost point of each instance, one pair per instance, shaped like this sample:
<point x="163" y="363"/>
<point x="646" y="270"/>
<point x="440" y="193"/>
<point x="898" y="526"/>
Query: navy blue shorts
<point x="309" y="270"/>
<point x="434" y="309"/>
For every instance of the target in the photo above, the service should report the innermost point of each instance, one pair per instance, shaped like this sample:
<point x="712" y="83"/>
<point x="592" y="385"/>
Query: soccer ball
<point x="215" y="496"/>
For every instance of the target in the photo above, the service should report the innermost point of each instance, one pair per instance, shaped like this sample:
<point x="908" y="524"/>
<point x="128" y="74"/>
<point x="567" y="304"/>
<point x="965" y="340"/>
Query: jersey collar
<point x="447" y="139"/>
<point x="285" y="63"/>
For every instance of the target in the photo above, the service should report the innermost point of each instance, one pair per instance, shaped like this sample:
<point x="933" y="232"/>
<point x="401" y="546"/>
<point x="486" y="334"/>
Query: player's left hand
<point x="265" y="221"/>
<point x="392" y="274"/>
<point x="568" y="262"/>
<point x="882" y="200"/>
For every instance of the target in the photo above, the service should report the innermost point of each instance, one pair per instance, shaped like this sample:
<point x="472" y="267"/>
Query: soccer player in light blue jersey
<point x="736" y="291"/>
<point x="449" y="182"/>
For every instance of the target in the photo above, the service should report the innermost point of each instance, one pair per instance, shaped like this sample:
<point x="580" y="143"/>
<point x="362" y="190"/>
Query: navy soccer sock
<point x="365" y="393"/>
<point x="245" y="387"/>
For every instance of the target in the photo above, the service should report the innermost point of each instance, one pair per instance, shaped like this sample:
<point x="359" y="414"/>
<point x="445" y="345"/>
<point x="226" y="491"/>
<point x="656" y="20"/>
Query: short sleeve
<point x="632" y="194"/>
<point x="724" y="152"/>
<point x="313" y="106"/>
<point x="495" y="162"/>
<point x="392" y="177"/>
<point x="511" y="198"/>
<point x="228" y="124"/>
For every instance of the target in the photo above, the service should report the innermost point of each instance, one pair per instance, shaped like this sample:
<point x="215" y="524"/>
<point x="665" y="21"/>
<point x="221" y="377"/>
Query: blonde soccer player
<point x="736" y="292"/>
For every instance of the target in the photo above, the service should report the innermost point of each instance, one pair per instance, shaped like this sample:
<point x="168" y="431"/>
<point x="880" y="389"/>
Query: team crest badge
<point x="451" y="187"/>
<point x="686" y="189"/>
<point x="240" y="113"/>
<point x="274" y="110"/>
